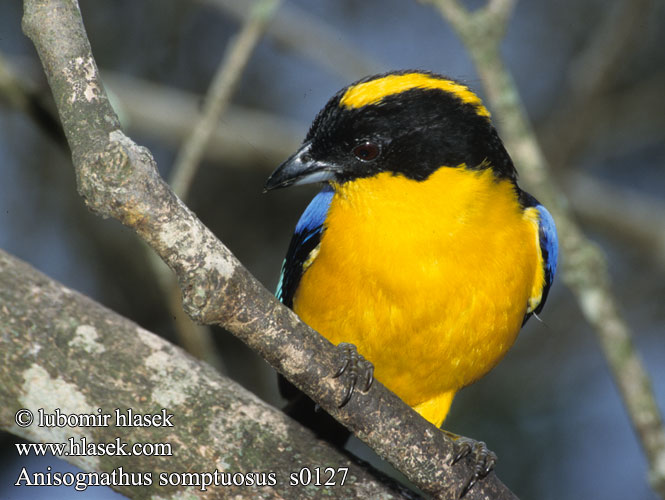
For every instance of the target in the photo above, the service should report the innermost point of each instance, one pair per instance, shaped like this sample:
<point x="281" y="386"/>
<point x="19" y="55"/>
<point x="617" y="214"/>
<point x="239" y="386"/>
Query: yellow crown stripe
<point x="374" y="91"/>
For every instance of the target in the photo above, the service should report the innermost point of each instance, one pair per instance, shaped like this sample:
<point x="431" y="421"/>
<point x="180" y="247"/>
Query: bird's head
<point x="409" y="122"/>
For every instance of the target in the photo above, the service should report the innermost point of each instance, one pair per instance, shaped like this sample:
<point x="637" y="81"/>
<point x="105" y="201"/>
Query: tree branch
<point x="119" y="179"/>
<point x="62" y="350"/>
<point x="584" y="267"/>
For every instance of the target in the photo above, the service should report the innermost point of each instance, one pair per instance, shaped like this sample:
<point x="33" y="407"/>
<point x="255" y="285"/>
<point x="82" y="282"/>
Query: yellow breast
<point x="430" y="280"/>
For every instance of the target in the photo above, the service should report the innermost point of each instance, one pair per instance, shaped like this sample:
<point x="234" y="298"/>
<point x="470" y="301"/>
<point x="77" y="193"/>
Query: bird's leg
<point x="483" y="459"/>
<point x="356" y="368"/>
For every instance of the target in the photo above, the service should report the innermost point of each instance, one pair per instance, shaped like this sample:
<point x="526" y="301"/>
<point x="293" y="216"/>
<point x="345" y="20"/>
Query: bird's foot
<point x="483" y="459"/>
<point x="356" y="370"/>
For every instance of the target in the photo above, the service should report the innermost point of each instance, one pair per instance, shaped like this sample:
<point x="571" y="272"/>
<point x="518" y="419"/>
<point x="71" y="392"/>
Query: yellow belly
<point x="430" y="280"/>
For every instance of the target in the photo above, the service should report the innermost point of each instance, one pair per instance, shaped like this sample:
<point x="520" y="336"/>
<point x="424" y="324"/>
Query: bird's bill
<point x="300" y="168"/>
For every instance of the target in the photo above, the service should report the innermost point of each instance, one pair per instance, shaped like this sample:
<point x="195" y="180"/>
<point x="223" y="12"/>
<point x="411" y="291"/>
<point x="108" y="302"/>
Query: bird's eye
<point x="366" y="151"/>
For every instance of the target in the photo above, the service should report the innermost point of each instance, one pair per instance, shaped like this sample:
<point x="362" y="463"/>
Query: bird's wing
<point x="549" y="249"/>
<point x="305" y="240"/>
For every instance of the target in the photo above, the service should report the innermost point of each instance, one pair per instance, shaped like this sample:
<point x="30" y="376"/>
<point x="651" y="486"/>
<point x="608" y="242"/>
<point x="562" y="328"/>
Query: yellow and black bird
<point x="420" y="249"/>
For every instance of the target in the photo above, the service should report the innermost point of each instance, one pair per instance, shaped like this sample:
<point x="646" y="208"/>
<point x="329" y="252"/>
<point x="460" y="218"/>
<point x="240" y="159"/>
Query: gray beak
<point x="301" y="168"/>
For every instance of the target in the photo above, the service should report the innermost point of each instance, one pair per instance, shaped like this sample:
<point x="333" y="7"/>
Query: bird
<point x="420" y="253"/>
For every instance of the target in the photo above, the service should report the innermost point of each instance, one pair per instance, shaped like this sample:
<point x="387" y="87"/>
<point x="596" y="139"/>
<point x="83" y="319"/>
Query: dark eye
<point x="366" y="151"/>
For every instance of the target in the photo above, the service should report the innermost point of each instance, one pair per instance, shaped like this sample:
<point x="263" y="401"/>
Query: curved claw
<point x="483" y="459"/>
<point x="357" y="368"/>
<point x="369" y="375"/>
<point x="464" y="448"/>
<point x="349" y="393"/>
<point x="467" y="487"/>
<point x="343" y="367"/>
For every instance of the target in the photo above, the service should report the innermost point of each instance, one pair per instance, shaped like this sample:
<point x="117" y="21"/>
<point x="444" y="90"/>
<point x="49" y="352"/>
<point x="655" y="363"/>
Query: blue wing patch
<point x="549" y="247"/>
<point x="306" y="238"/>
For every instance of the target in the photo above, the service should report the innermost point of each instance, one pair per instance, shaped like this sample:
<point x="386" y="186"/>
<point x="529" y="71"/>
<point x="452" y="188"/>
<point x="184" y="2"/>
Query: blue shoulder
<point x="316" y="212"/>
<point x="306" y="238"/>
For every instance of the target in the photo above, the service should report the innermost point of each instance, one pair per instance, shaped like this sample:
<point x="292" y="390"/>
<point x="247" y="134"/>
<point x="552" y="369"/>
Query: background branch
<point x="308" y="35"/>
<point x="637" y="218"/>
<point x="584" y="267"/>
<point x="17" y="93"/>
<point x="591" y="77"/>
<point x="223" y="84"/>
<point x="245" y="138"/>
<point x="119" y="179"/>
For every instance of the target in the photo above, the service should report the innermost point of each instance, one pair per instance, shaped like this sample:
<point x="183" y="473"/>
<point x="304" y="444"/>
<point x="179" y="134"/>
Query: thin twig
<point x="19" y="94"/>
<point x="309" y="36"/>
<point x="590" y="78"/>
<point x="584" y="267"/>
<point x="224" y="83"/>
<point x="246" y="138"/>
<point x="631" y="217"/>
<point x="11" y="88"/>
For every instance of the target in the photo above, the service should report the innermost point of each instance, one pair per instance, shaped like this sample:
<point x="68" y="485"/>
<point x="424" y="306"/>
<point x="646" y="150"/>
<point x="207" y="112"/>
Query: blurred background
<point x="592" y="76"/>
